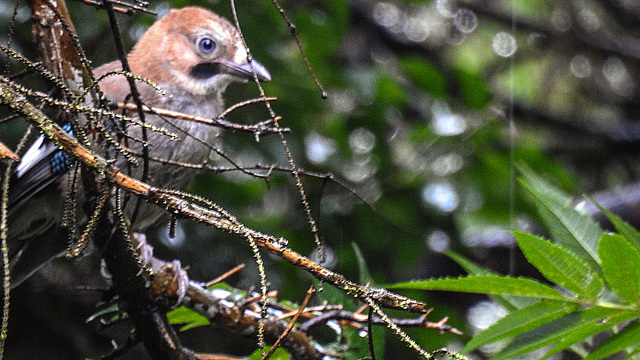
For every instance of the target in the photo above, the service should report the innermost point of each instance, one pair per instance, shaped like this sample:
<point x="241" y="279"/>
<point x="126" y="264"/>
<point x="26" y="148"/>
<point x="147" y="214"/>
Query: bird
<point x="192" y="55"/>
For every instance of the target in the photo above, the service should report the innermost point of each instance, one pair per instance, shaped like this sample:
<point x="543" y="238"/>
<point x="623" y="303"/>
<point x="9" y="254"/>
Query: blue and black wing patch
<point x="42" y="165"/>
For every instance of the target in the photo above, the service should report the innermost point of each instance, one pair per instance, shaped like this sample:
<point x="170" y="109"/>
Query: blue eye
<point x="207" y="45"/>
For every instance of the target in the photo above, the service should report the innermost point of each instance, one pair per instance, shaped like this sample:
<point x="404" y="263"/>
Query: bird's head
<point x="195" y="50"/>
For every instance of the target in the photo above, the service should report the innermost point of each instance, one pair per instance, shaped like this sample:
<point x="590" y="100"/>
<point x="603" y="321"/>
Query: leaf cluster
<point x="594" y="285"/>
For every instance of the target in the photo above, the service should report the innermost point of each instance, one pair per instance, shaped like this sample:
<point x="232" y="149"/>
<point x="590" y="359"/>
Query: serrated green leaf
<point x="520" y="321"/>
<point x="538" y="182"/>
<point x="573" y="327"/>
<point x="588" y="329"/>
<point x="626" y="338"/>
<point x="623" y="227"/>
<point x="509" y="302"/>
<point x="487" y="284"/>
<point x="568" y="227"/>
<point x="621" y="266"/>
<point x="184" y="315"/>
<point x="560" y="265"/>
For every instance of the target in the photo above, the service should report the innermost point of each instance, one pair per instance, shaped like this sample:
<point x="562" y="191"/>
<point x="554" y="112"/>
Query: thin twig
<point x="286" y="332"/>
<point x="4" y="233"/>
<point x="294" y="169"/>
<point x="294" y="33"/>
<point x="224" y="276"/>
<point x="6" y="278"/>
<point x="135" y="94"/>
<point x="220" y="121"/>
<point x="372" y="350"/>
<point x="122" y="6"/>
<point x="245" y="103"/>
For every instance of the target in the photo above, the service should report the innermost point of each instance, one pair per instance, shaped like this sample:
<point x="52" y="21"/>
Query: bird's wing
<point x="42" y="165"/>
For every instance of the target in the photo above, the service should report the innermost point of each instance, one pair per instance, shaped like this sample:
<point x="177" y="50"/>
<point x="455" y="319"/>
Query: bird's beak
<point x="244" y="71"/>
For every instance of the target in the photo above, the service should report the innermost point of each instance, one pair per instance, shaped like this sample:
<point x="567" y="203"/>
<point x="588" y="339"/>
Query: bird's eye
<point x="207" y="45"/>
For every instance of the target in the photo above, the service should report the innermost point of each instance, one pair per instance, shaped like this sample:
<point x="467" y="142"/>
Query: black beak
<point x="244" y="71"/>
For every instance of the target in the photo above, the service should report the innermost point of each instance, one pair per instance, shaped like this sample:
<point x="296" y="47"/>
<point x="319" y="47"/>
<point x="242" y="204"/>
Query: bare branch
<point x="258" y="129"/>
<point x="291" y="324"/>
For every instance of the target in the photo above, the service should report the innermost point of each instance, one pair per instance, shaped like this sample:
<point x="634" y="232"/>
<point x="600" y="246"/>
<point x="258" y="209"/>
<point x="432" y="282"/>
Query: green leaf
<point x="487" y="284"/>
<point x="621" y="266"/>
<point x="425" y="75"/>
<point x="550" y="191"/>
<point x="509" y="302"/>
<point x="569" y="228"/>
<point x="473" y="88"/>
<point x="560" y="266"/>
<point x="279" y="354"/>
<point x="623" y="227"/>
<point x="632" y="353"/>
<point x="113" y="310"/>
<point x="588" y="329"/>
<point x="568" y="329"/>
<point x="184" y="315"/>
<point x="358" y="347"/>
<point x="469" y="266"/>
<point x="520" y="321"/>
<point x="365" y="275"/>
<point x="626" y="338"/>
